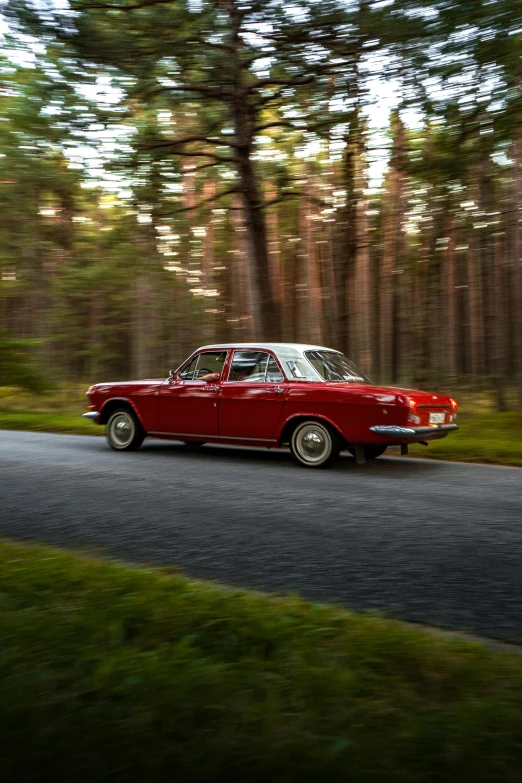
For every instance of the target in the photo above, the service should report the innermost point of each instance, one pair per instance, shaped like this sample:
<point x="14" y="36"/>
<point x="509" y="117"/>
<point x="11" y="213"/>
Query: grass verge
<point x="60" y="411"/>
<point x="115" y="673"/>
<point x="483" y="437"/>
<point x="65" y="423"/>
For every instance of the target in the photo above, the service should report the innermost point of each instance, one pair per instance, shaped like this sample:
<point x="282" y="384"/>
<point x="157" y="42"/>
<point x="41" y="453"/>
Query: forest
<point x="179" y="172"/>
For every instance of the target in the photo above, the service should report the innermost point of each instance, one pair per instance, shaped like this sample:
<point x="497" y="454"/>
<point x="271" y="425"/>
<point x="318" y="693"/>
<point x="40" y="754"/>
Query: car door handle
<point x="211" y="388"/>
<point x="280" y="391"/>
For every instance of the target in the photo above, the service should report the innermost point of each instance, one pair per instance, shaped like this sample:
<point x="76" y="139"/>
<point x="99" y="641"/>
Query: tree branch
<point x="275" y="124"/>
<point x="218" y="92"/>
<point x="191" y="154"/>
<point x="267" y="99"/>
<point x="314" y="127"/>
<point x="292" y="82"/>
<point x="215" y="158"/>
<point x="203" y="167"/>
<point x="206" y="139"/>
<point x="116" y="7"/>
<point x="190" y="140"/>
<point x="292" y="194"/>
<point x="209" y="200"/>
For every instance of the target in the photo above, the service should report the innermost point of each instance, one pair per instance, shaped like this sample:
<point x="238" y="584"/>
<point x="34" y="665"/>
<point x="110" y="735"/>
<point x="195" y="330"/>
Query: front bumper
<point x="92" y="415"/>
<point x="413" y="433"/>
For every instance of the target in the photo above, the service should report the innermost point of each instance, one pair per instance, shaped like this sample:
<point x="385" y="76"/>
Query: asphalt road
<point x="427" y="541"/>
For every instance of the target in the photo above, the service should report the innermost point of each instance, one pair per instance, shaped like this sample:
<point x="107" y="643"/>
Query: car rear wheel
<point x="124" y="432"/>
<point x="371" y="452"/>
<point x="314" y="444"/>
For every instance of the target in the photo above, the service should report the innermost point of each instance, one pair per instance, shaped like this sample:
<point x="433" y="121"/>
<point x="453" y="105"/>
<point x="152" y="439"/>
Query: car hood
<point x="131" y="386"/>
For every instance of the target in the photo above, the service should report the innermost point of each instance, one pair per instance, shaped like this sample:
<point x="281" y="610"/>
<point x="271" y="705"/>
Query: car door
<point x="251" y="400"/>
<point x="189" y="405"/>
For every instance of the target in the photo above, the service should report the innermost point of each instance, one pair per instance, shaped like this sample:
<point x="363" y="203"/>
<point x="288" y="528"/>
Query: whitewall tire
<point x="314" y="444"/>
<point x="124" y="432"/>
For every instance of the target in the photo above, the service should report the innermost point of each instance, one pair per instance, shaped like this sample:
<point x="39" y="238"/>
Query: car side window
<point x="249" y="366"/>
<point x="204" y="364"/>
<point x="187" y="373"/>
<point x="273" y="373"/>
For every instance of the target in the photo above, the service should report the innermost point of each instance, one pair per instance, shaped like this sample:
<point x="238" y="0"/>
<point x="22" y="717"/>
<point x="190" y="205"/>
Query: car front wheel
<point x="314" y="444"/>
<point x="124" y="432"/>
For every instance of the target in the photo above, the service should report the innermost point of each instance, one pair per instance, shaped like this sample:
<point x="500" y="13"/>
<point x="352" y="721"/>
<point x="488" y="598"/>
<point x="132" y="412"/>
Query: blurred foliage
<point x="17" y="365"/>
<point x="174" y="173"/>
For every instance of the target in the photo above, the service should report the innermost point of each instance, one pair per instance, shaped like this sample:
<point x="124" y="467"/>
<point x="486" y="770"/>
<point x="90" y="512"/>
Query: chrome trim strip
<point x="93" y="415"/>
<point x="266" y="367"/>
<point x="183" y="435"/>
<point x="395" y="431"/>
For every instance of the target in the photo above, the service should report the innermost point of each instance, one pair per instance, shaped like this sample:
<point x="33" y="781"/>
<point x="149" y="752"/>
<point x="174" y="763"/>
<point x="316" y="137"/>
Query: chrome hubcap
<point x="313" y="443"/>
<point x="122" y="429"/>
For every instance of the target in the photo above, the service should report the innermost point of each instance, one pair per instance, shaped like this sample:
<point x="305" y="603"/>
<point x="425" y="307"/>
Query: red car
<point x="271" y="394"/>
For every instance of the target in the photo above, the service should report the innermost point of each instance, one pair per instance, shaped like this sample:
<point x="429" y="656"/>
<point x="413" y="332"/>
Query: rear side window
<point x="254" y="367"/>
<point x="302" y="371"/>
<point x="273" y="373"/>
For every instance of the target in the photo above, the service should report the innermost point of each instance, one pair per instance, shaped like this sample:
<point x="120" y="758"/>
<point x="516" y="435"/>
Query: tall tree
<point x="394" y="249"/>
<point x="241" y="58"/>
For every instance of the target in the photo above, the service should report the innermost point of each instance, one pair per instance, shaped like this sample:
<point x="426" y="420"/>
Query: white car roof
<point x="283" y="350"/>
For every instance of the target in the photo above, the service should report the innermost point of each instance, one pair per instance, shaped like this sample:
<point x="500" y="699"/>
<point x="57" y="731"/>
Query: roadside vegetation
<point x="18" y="366"/>
<point x="59" y="410"/>
<point x="120" y="673"/>
<point x="316" y="213"/>
<point x="485" y="436"/>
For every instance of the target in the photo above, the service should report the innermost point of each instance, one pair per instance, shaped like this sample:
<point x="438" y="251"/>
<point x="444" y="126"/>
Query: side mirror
<point x="171" y="377"/>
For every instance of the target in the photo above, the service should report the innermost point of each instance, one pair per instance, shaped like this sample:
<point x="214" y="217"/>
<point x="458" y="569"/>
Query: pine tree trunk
<point x="492" y="300"/>
<point x="274" y="252"/>
<point x="499" y="346"/>
<point x="516" y="207"/>
<point x="476" y="326"/>
<point x="243" y="114"/>
<point x="394" y="251"/>
<point x="208" y="262"/>
<point x="363" y="283"/>
<point x="302" y="298"/>
<point x="264" y="311"/>
<point x="448" y="301"/>
<point x="345" y="257"/>
<point x="311" y="315"/>
<point x="244" y="315"/>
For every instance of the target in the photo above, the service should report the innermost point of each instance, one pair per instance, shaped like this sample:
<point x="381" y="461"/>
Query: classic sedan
<point x="311" y="398"/>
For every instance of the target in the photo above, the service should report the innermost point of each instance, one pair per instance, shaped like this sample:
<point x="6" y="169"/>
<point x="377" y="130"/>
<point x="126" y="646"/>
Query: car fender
<point x="113" y="403"/>
<point x="304" y="415"/>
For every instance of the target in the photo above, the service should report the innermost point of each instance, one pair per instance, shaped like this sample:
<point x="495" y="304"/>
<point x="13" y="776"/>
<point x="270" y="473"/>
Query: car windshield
<point x="333" y="366"/>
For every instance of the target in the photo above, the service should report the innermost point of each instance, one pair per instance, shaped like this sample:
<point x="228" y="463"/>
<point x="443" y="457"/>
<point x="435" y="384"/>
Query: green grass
<point x="66" y="423"/>
<point x="114" y="673"/>
<point x="484" y="436"/>
<point x="60" y="411"/>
